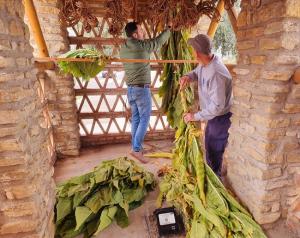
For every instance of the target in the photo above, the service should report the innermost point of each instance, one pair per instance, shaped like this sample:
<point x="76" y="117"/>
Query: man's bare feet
<point x="139" y="155"/>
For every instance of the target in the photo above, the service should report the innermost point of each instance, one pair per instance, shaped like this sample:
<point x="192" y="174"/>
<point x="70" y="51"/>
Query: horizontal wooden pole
<point x="120" y="114"/>
<point x="120" y="67"/>
<point x="106" y="91"/>
<point x="114" y="60"/>
<point x="95" y="40"/>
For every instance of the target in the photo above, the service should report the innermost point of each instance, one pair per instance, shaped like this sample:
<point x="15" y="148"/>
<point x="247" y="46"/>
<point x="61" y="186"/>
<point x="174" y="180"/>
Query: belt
<point x="140" y="85"/>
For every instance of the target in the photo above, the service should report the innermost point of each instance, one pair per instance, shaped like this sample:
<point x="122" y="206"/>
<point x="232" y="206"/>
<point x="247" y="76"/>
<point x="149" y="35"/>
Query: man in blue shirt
<point x="215" y="94"/>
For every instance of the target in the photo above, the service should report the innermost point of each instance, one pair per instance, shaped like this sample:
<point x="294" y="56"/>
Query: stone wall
<point x="264" y="151"/>
<point x="26" y="150"/>
<point x="59" y="89"/>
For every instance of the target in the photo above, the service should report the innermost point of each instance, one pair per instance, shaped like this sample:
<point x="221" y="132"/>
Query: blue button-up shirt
<point x="215" y="89"/>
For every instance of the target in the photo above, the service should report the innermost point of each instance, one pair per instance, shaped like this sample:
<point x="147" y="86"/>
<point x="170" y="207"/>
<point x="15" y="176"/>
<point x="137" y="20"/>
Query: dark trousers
<point x="216" y="137"/>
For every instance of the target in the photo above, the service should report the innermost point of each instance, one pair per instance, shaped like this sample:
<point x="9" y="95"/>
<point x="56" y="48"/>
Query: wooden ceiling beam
<point x="36" y="28"/>
<point x="232" y="14"/>
<point x="215" y="22"/>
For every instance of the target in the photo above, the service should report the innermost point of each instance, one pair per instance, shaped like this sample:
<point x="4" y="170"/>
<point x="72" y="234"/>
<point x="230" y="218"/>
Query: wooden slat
<point x="111" y="114"/>
<point x="106" y="91"/>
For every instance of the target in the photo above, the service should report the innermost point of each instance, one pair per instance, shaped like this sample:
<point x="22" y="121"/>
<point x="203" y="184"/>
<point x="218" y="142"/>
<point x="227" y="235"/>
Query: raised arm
<point x="157" y="42"/>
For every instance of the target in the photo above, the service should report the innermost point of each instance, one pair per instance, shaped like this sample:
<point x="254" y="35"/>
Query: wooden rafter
<point x="215" y="21"/>
<point x="36" y="28"/>
<point x="232" y="13"/>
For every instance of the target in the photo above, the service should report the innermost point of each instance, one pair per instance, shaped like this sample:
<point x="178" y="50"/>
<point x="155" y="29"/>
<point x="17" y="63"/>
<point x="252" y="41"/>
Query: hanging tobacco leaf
<point x="84" y="70"/>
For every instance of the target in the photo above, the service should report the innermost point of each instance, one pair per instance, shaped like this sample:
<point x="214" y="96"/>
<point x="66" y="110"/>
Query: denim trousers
<point x="216" y="137"/>
<point x="141" y="104"/>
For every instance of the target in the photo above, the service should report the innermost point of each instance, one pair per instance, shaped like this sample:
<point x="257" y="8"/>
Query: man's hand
<point x="188" y="117"/>
<point x="184" y="81"/>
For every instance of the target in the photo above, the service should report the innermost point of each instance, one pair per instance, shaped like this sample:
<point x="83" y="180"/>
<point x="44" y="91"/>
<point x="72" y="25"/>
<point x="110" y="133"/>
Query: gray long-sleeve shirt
<point x="215" y="89"/>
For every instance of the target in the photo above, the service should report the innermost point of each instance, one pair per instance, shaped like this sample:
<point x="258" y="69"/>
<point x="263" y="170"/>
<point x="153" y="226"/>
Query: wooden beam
<point x="95" y="40"/>
<point x="115" y="60"/>
<point x="296" y="76"/>
<point x="232" y="13"/>
<point x="215" y="22"/>
<point x="106" y="91"/>
<point x="36" y="28"/>
<point x="120" y="114"/>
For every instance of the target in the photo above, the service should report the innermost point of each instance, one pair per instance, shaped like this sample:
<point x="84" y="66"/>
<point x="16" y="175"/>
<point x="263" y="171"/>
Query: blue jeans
<point x="141" y="105"/>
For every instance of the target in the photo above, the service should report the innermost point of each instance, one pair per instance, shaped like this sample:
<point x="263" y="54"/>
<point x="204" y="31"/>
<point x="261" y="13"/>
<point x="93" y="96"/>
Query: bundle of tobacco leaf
<point x="85" y="70"/>
<point x="208" y="208"/>
<point x="91" y="202"/>
<point x="176" y="48"/>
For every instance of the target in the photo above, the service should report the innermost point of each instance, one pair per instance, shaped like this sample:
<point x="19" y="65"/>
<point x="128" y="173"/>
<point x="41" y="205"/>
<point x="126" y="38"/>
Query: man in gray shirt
<point x="215" y="94"/>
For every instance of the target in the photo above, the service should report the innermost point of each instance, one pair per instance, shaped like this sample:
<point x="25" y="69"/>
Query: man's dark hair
<point x="131" y="28"/>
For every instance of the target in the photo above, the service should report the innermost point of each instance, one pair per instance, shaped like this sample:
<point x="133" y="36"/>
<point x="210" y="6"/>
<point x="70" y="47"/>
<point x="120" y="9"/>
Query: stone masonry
<point x="26" y="150"/>
<point x="59" y="89"/>
<point x="264" y="151"/>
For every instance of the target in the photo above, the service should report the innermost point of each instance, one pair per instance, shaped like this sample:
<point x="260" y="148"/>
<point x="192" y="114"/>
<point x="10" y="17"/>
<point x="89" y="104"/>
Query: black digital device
<point x="168" y="221"/>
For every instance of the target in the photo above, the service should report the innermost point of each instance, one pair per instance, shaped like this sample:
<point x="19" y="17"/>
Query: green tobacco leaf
<point x="122" y="218"/>
<point x="85" y="70"/>
<point x="101" y="175"/>
<point x="79" y="197"/>
<point x="80" y="179"/>
<point x="81" y="215"/>
<point x="106" y="218"/>
<point x="133" y="196"/>
<point x="198" y="230"/>
<point x="91" y="227"/>
<point x="100" y="199"/>
<point x="209" y="214"/>
<point x="63" y="208"/>
<point x="215" y="200"/>
<point x="250" y="227"/>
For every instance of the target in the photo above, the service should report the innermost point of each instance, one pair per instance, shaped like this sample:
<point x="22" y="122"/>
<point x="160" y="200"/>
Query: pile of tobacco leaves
<point x="91" y="202"/>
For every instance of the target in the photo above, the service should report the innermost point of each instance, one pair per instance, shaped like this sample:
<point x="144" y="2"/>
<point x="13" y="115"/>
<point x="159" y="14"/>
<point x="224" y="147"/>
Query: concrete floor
<point x="91" y="157"/>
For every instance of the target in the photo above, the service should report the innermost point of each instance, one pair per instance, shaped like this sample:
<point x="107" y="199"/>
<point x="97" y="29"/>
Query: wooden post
<point x="36" y="28"/>
<point x="215" y="22"/>
<point x="232" y="17"/>
<point x="296" y="76"/>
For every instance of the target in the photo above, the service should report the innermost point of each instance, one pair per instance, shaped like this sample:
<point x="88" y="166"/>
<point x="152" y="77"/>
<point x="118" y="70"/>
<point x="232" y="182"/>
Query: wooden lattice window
<point x="101" y="102"/>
